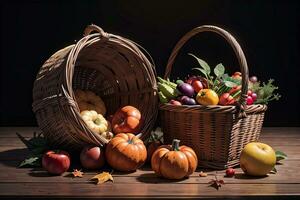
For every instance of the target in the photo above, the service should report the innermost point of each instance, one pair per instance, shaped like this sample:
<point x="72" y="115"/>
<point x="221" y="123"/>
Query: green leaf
<point x="225" y="76"/>
<point x="179" y="81"/>
<point x="202" y="63"/>
<point x="37" y="144"/>
<point x="273" y="171"/>
<point x="265" y="93"/>
<point x="202" y="71"/>
<point x="255" y="87"/>
<point x="280" y="155"/>
<point x="219" y="70"/>
<point x="228" y="78"/>
<point x="34" y="161"/>
<point x="26" y="142"/>
<point x="230" y="84"/>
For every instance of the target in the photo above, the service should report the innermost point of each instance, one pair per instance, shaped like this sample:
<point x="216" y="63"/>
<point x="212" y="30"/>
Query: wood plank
<point x="162" y="190"/>
<point x="24" y="131"/>
<point x="288" y="172"/>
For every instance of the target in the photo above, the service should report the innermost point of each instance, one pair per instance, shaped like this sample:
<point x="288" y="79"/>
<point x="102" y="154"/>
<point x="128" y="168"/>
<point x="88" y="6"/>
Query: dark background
<point x="268" y="31"/>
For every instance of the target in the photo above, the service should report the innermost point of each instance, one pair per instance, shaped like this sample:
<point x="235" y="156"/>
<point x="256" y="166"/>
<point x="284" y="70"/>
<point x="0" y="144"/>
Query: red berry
<point x="249" y="100"/>
<point x="249" y="93"/>
<point x="254" y="96"/>
<point x="253" y="79"/>
<point x="230" y="172"/>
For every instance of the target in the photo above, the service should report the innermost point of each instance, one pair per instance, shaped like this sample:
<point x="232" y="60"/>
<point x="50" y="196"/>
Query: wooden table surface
<point x="35" y="183"/>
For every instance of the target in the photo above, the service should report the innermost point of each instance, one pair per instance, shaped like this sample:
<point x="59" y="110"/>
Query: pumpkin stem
<point x="175" y="145"/>
<point x="130" y="141"/>
<point x="97" y="121"/>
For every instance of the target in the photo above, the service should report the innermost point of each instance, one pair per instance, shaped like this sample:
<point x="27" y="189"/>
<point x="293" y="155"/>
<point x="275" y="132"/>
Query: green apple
<point x="257" y="159"/>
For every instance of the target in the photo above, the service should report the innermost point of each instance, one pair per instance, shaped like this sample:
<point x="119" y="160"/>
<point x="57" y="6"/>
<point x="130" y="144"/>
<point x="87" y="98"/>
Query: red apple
<point x="92" y="157"/>
<point x="127" y="119"/>
<point x="56" y="162"/>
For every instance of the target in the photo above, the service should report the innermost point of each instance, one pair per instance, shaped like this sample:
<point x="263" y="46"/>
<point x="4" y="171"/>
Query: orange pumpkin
<point x="125" y="152"/>
<point x="126" y="120"/>
<point x="174" y="162"/>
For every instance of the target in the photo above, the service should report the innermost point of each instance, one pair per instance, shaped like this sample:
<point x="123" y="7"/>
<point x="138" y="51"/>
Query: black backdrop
<point x="268" y="31"/>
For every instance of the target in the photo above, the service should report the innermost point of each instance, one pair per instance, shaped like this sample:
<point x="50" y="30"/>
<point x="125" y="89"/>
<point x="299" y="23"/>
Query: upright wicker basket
<point x="216" y="133"/>
<point x="111" y="66"/>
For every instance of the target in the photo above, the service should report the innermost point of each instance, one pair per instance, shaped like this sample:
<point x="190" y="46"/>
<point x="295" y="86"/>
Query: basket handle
<point x="91" y="28"/>
<point x="233" y="43"/>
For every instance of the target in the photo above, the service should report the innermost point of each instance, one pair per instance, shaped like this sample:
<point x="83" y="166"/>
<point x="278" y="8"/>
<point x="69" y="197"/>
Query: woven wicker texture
<point x="216" y="133"/>
<point x="111" y="66"/>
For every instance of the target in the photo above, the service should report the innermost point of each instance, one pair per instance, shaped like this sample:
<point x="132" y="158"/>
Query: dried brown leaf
<point x="77" y="173"/>
<point x="216" y="183"/>
<point x="102" y="178"/>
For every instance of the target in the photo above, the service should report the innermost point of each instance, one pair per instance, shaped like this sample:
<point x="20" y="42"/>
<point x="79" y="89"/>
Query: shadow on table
<point x="122" y="173"/>
<point x="153" y="178"/>
<point x="146" y="167"/>
<point x="205" y="170"/>
<point x="244" y="176"/>
<point x="13" y="157"/>
<point x="39" y="172"/>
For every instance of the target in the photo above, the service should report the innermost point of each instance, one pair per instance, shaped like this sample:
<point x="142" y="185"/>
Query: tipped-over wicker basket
<point x="113" y="67"/>
<point x="216" y="133"/>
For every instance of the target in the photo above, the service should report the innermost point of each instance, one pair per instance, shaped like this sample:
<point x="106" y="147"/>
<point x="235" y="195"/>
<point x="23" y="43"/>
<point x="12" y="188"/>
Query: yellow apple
<point x="257" y="159"/>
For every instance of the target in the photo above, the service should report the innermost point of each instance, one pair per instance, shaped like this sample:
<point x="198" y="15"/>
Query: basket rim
<point x="213" y="108"/>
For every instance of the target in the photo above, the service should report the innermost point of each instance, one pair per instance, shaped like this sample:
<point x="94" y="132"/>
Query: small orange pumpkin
<point x="174" y="162"/>
<point x="126" y="120"/>
<point x="125" y="152"/>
